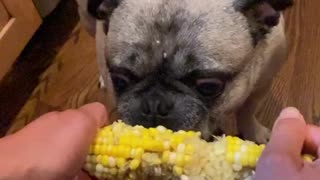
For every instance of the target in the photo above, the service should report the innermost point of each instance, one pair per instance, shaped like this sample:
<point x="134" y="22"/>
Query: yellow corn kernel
<point x="98" y="158"/>
<point x="191" y="134"/>
<point x="136" y="133"/>
<point x="122" y="151"/>
<point x="187" y="159"/>
<point x="134" y="164"/>
<point x="177" y="170"/>
<point x="105" y="160"/>
<point x="145" y="133"/>
<point x="114" y="151"/>
<point x="135" y="142"/>
<point x="169" y="131"/>
<point x="308" y="158"/>
<point x="180" y="160"/>
<point x="147" y="144"/>
<point x="126" y="152"/>
<point x="189" y="149"/>
<point x="103" y="149"/>
<point x="230" y="157"/>
<point x="175" y="141"/>
<point x="244" y="159"/>
<point x="153" y="132"/>
<point x="256" y="151"/>
<point x="229" y="139"/>
<point x="237" y="140"/>
<point x="137" y="153"/>
<point x="252" y="161"/>
<point x="165" y="156"/>
<point x="97" y="149"/>
<point x="106" y="129"/>
<point x="124" y="140"/>
<point x="121" y="162"/>
<point x="159" y="147"/>
<point x="234" y="147"/>
<point x="262" y="146"/>
<point x="98" y="140"/>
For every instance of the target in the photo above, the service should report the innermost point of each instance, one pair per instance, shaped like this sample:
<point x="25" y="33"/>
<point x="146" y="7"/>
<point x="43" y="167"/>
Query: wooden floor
<point x="72" y="76"/>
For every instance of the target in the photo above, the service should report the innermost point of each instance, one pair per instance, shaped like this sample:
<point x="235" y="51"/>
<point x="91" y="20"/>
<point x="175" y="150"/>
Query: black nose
<point x="156" y="107"/>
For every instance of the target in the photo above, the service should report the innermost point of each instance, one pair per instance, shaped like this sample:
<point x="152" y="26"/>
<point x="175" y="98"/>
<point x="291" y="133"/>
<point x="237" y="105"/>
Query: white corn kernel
<point x="172" y="158"/>
<point x="244" y="148"/>
<point x="181" y="148"/>
<point x="237" y="167"/>
<point x="237" y="157"/>
<point x="184" y="177"/>
<point x="99" y="168"/>
<point x="161" y="129"/>
<point x="112" y="162"/>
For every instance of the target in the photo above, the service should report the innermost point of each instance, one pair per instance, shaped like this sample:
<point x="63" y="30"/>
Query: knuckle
<point x="270" y="159"/>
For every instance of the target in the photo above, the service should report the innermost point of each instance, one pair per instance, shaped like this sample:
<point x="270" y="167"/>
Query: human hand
<point x="281" y="159"/>
<point x="53" y="147"/>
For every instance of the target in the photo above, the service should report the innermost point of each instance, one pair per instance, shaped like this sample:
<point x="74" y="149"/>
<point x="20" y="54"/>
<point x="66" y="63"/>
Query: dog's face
<point x="182" y="64"/>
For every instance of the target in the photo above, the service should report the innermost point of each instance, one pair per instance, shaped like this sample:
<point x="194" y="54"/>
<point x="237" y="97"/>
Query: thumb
<point x="289" y="133"/>
<point x="82" y="176"/>
<point x="287" y="139"/>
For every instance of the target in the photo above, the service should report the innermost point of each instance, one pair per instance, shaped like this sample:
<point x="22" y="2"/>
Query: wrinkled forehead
<point x="184" y="34"/>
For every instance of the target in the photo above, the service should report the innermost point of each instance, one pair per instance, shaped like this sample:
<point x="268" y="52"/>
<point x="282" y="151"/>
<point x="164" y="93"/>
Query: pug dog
<point x="189" y="64"/>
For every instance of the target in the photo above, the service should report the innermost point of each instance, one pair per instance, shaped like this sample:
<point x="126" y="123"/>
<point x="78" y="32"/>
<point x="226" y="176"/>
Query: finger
<point x="82" y="123"/>
<point x="82" y="176"/>
<point x="97" y="111"/>
<point x="312" y="143"/>
<point x="287" y="137"/>
<point x="66" y="136"/>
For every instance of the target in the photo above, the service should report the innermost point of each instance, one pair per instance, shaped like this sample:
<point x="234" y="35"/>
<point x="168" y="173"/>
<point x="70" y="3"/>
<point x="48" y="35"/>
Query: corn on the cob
<point x="121" y="151"/>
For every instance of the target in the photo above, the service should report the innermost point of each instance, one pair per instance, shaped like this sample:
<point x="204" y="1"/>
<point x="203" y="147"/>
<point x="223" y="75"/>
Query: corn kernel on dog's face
<point x="186" y="64"/>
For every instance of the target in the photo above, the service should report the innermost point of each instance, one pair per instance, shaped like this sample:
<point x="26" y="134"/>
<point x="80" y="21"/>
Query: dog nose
<point x="156" y="107"/>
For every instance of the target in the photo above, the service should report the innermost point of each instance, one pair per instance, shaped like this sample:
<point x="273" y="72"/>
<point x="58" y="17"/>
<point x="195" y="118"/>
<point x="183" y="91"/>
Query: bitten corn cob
<point x="121" y="151"/>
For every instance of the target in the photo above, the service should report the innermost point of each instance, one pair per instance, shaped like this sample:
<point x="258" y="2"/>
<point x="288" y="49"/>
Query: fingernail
<point x="97" y="111"/>
<point x="289" y="113"/>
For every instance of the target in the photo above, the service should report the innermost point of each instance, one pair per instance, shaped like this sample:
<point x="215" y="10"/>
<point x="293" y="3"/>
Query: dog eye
<point x="120" y="82"/>
<point x="209" y="87"/>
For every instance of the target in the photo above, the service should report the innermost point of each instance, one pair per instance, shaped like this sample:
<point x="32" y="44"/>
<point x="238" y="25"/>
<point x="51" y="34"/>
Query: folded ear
<point x="92" y="10"/>
<point x="102" y="9"/>
<point x="265" y="12"/>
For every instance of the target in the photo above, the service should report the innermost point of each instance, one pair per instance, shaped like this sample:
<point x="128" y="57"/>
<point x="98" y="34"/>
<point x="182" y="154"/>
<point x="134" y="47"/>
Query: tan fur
<point x="225" y="37"/>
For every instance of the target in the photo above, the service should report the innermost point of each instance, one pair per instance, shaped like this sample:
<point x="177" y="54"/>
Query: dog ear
<point x="265" y="12"/>
<point x="102" y="9"/>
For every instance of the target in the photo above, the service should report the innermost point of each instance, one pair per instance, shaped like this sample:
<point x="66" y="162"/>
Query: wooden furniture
<point x="72" y="78"/>
<point x="19" y="20"/>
